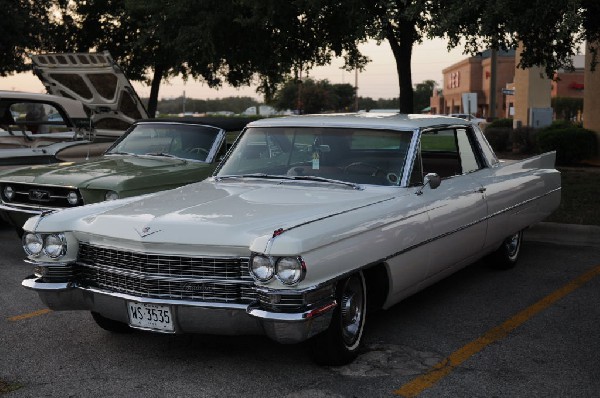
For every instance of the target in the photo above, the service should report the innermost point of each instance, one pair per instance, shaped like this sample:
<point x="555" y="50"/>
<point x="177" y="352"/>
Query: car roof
<point x="395" y="121"/>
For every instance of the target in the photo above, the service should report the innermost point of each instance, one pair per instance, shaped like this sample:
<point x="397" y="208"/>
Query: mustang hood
<point x="108" y="173"/>
<point x="220" y="214"/>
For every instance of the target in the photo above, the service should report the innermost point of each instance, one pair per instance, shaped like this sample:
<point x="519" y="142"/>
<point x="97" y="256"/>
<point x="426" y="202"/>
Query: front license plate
<point x="150" y="316"/>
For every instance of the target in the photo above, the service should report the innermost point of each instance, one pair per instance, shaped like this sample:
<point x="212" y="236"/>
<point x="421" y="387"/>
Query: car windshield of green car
<point x="192" y="142"/>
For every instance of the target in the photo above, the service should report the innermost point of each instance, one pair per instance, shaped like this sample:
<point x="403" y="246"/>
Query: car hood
<point x="217" y="214"/>
<point x="112" y="172"/>
<point x="95" y="80"/>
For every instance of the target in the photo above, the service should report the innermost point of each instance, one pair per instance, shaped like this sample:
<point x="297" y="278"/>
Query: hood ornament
<point x="146" y="231"/>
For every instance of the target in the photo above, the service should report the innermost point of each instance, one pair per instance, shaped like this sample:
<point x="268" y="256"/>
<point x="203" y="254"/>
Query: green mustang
<point x="153" y="155"/>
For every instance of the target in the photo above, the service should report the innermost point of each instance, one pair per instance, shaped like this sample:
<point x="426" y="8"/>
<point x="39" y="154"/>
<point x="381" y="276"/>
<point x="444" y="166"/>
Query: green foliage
<point x="551" y="31"/>
<point x="561" y="124"/>
<point x="579" y="196"/>
<point x="567" y="108"/>
<point x="572" y="144"/>
<point x="523" y="139"/>
<point x="368" y="103"/>
<point x="232" y="104"/>
<point x="423" y="92"/>
<point x="26" y="27"/>
<point x="310" y="96"/>
<point x="504" y="122"/>
<point x="498" y="137"/>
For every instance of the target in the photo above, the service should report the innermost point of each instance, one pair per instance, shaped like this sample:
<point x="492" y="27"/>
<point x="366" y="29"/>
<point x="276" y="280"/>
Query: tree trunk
<point x="154" y="88"/>
<point x="402" y="49"/>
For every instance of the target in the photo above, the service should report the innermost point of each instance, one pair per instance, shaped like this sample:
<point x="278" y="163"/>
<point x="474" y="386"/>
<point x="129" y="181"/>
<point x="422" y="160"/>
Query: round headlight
<point x="55" y="245"/>
<point x="261" y="268"/>
<point x="290" y="270"/>
<point x="72" y="198"/>
<point x="33" y="244"/>
<point x="9" y="192"/>
<point x="111" y="195"/>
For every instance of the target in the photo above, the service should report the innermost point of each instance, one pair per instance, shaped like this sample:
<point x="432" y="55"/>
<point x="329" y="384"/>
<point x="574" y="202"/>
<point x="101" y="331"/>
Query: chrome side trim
<point x="463" y="227"/>
<point x="284" y="230"/>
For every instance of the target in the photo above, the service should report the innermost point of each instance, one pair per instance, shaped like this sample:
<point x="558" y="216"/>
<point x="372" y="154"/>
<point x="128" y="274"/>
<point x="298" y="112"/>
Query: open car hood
<point x="95" y="80"/>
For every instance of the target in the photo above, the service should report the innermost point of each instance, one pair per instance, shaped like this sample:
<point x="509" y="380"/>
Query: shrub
<point x="572" y="144"/>
<point x="561" y="124"/>
<point x="506" y="123"/>
<point x="498" y="137"/>
<point x="523" y="139"/>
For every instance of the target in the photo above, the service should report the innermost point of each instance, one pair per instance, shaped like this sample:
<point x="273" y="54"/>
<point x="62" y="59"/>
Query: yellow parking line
<point x="447" y="365"/>
<point x="30" y="315"/>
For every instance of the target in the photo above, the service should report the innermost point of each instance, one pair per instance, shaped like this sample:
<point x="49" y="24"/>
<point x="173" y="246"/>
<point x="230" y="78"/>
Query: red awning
<point x="576" y="86"/>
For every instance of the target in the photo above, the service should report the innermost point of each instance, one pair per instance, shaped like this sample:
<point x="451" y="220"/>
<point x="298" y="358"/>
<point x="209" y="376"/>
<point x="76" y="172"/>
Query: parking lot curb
<point x="565" y="234"/>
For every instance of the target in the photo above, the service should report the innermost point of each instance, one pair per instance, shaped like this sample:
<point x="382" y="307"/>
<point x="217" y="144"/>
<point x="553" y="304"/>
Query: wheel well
<point x="377" y="281"/>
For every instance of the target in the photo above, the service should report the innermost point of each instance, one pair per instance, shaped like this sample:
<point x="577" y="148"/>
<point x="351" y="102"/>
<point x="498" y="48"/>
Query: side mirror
<point x="431" y="179"/>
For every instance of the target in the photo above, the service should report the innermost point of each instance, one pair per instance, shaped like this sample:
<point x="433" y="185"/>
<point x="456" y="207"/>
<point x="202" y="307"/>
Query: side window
<point x="448" y="152"/>
<point x="37" y="117"/>
<point x="468" y="158"/>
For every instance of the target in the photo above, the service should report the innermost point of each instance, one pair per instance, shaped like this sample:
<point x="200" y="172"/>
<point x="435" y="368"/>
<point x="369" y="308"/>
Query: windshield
<point x="184" y="141"/>
<point x="354" y="155"/>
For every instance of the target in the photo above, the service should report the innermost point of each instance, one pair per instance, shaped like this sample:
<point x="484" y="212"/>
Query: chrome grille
<point x="224" y="280"/>
<point x="39" y="195"/>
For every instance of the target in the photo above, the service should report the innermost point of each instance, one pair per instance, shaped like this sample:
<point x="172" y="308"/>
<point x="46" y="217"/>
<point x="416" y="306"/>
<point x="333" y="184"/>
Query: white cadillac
<point x="308" y="223"/>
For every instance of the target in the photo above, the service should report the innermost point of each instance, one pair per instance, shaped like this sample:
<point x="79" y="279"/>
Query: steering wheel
<point x="365" y="166"/>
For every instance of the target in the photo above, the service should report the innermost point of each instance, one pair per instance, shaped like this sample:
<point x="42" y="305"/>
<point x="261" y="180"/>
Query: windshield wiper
<point x="254" y="175"/>
<point x="167" y="155"/>
<point x="323" y="179"/>
<point x="286" y="177"/>
<point x="121" y="153"/>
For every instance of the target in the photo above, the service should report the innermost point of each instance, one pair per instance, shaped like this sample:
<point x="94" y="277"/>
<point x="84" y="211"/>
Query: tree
<point x="423" y="92"/>
<point x="551" y="30"/>
<point x="310" y="96"/>
<point x="216" y="41"/>
<point x="25" y="27"/>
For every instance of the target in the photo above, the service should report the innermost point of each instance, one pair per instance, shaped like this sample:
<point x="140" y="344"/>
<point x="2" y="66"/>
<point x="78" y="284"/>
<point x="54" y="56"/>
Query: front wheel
<point x="339" y="344"/>
<point x="508" y="253"/>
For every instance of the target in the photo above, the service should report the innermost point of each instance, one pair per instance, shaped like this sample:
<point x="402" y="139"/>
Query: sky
<point x="378" y="80"/>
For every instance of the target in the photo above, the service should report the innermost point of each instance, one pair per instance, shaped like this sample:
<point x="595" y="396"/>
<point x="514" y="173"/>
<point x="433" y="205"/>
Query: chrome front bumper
<point x="189" y="316"/>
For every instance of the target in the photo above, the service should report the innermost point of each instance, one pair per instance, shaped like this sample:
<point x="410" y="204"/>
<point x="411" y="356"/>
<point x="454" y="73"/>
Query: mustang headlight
<point x="33" y="244"/>
<point x="55" y="245"/>
<point x="290" y="270"/>
<point x="72" y="198"/>
<point x="9" y="192"/>
<point x="262" y="268"/>
<point x="111" y="195"/>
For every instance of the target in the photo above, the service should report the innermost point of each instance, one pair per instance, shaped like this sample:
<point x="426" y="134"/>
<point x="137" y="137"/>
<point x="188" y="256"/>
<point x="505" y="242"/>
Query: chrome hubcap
<point x="512" y="245"/>
<point x="351" y="308"/>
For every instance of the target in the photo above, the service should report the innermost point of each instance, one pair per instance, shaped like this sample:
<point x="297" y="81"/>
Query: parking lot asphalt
<point x="565" y="234"/>
<point x="527" y="332"/>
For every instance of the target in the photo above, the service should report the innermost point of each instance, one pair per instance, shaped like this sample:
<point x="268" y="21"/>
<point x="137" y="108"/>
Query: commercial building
<point x="474" y="75"/>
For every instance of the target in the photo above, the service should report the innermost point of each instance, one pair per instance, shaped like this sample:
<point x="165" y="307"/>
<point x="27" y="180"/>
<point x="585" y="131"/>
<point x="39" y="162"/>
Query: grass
<point x="6" y="388"/>
<point x="580" y="196"/>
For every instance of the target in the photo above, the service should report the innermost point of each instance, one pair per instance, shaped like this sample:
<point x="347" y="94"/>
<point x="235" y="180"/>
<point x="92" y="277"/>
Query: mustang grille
<point x="223" y="280"/>
<point x="39" y="195"/>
